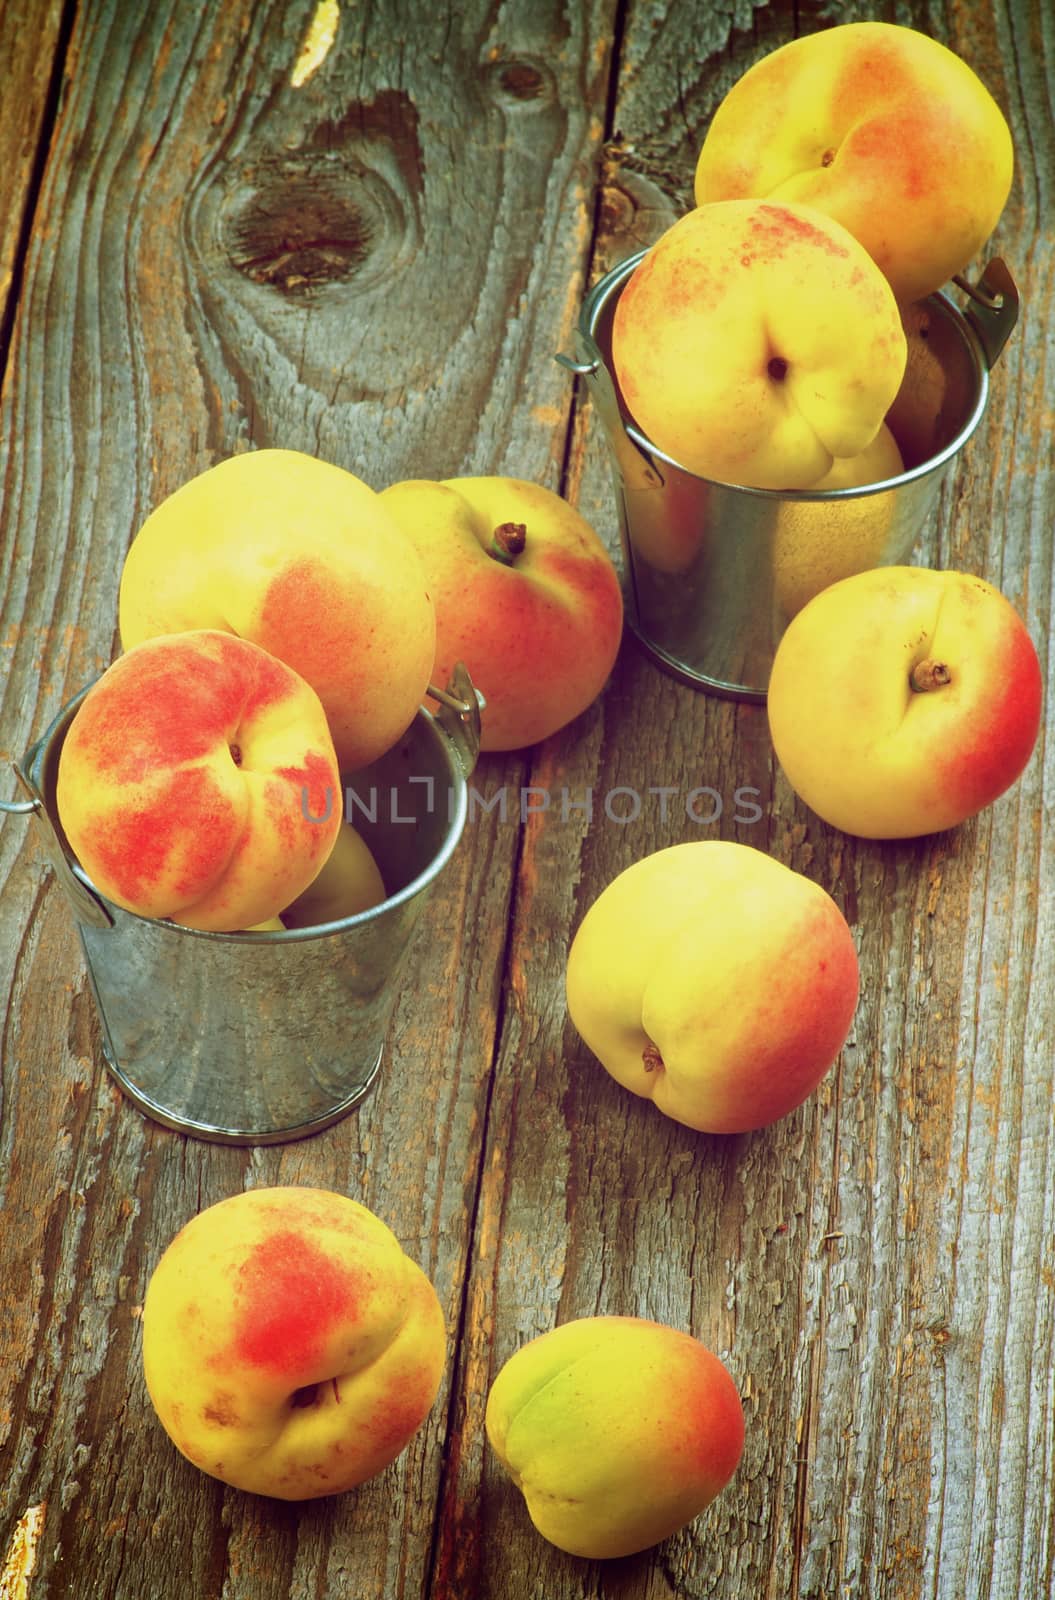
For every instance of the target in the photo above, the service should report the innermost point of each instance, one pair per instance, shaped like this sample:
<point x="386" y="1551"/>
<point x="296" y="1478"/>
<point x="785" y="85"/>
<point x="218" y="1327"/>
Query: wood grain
<point x="851" y="1264"/>
<point x="378" y="266"/>
<point x="31" y="48"/>
<point x="164" y="329"/>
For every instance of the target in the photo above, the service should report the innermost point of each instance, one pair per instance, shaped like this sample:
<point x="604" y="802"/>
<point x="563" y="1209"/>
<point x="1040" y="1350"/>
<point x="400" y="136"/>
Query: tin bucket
<point x="713" y="572"/>
<point x="259" y="1038"/>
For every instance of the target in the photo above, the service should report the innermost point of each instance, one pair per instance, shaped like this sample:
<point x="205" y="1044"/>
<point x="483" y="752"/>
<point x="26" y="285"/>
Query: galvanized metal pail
<point x="259" y="1038"/>
<point x="713" y="572"/>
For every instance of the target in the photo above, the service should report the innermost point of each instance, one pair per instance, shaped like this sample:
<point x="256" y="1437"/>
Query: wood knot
<point x="617" y="209"/>
<point x="300" y="232"/>
<point x="520" y="82"/>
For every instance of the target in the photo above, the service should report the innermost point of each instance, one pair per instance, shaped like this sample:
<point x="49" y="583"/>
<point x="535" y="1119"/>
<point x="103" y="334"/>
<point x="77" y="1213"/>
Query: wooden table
<point x="199" y="255"/>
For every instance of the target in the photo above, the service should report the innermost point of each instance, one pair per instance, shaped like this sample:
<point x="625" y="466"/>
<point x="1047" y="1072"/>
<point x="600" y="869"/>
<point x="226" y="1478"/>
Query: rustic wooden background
<point x="197" y="257"/>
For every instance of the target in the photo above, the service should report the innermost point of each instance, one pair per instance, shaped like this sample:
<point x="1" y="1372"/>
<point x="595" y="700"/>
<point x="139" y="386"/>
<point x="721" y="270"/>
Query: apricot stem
<point x="928" y="674"/>
<point x="651" y="1059"/>
<point x="507" y="542"/>
<point x="236" y="754"/>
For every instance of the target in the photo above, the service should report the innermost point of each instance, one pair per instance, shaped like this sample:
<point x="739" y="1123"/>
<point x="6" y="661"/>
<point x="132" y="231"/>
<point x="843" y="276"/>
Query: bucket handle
<point x="992" y="312"/>
<point x="637" y="469"/>
<point x="87" y="906"/>
<point x="460" y="705"/>
<point x="993" y="308"/>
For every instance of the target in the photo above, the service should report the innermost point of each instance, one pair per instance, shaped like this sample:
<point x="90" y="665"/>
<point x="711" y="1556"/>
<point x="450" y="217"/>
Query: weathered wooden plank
<point x="877" y="1268"/>
<point x="375" y="266"/>
<point x="31" y="43"/>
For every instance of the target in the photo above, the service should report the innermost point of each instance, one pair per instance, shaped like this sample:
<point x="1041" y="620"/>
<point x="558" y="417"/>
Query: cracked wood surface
<point x="198" y="257"/>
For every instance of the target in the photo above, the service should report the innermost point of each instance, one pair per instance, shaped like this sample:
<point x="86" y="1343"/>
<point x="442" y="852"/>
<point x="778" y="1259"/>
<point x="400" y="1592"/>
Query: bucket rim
<point x="36" y="765"/>
<point x="612" y="283"/>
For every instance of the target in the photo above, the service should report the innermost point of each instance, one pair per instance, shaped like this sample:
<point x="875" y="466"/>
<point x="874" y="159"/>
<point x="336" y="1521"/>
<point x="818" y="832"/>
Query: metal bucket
<point x="259" y="1038"/>
<point x="713" y="572"/>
